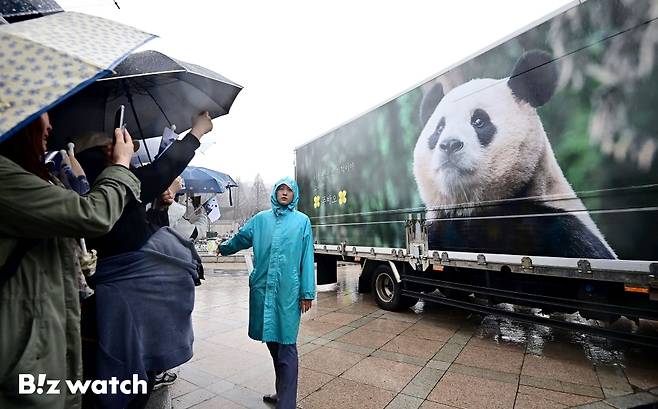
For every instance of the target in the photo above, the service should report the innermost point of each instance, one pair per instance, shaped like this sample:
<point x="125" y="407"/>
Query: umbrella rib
<point x="158" y="105"/>
<point x="154" y="101"/>
<point x="139" y="126"/>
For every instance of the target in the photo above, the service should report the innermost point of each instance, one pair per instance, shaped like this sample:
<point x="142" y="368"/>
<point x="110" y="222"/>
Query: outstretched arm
<point x="242" y="240"/>
<point x="157" y="176"/>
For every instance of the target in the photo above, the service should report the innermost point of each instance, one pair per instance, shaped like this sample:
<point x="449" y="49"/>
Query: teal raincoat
<point x="283" y="272"/>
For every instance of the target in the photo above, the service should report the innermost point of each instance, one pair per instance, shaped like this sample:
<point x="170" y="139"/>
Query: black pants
<point x="286" y="366"/>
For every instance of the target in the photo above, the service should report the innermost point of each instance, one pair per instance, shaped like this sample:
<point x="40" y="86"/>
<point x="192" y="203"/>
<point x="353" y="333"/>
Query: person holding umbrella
<point x="133" y="230"/>
<point x="39" y="307"/>
<point x="116" y="251"/>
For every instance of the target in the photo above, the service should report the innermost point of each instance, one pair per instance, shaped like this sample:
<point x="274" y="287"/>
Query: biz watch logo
<point x="29" y="384"/>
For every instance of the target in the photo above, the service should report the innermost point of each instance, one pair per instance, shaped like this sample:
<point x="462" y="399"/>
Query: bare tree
<point x="248" y="199"/>
<point x="260" y="194"/>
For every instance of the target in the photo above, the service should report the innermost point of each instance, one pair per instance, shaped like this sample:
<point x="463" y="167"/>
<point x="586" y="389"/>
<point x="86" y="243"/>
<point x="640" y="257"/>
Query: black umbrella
<point x="157" y="91"/>
<point x="18" y="10"/>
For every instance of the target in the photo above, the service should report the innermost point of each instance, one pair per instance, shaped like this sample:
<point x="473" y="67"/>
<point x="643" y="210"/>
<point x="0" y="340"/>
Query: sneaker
<point x="164" y="379"/>
<point x="270" y="398"/>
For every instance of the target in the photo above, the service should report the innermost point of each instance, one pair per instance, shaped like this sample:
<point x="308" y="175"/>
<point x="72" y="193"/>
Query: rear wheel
<point x="387" y="291"/>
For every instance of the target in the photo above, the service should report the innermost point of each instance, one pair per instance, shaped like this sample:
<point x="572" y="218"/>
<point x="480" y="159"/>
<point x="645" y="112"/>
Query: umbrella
<point x="45" y="60"/>
<point x="18" y="10"/>
<point x="157" y="91"/>
<point x="202" y="180"/>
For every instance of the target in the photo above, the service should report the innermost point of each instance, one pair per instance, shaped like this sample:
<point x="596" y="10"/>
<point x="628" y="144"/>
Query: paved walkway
<point x="355" y="355"/>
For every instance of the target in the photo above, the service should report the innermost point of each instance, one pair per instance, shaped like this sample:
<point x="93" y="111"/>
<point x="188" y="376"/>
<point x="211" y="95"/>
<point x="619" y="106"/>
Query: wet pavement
<point x="355" y="355"/>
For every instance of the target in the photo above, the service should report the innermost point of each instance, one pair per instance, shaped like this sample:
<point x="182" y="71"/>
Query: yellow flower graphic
<point x="342" y="197"/>
<point x="316" y="201"/>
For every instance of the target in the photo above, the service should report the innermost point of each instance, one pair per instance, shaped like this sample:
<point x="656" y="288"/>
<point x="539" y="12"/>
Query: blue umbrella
<point x="202" y="180"/>
<point x="43" y="61"/>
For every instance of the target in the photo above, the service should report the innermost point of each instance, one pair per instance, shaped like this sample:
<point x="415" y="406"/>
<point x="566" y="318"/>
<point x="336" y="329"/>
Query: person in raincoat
<point x="39" y="302"/>
<point x="282" y="283"/>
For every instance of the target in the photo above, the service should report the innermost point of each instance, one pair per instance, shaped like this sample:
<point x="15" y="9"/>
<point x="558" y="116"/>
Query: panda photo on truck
<point x="487" y="173"/>
<point x="524" y="175"/>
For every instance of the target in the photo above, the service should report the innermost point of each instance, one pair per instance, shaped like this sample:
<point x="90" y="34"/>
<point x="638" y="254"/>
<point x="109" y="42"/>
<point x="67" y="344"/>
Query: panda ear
<point x="534" y="78"/>
<point x="430" y="101"/>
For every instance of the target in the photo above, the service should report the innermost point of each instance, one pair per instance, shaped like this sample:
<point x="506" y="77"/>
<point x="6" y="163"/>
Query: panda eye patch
<point x="483" y="126"/>
<point x="480" y="118"/>
<point x="434" y="138"/>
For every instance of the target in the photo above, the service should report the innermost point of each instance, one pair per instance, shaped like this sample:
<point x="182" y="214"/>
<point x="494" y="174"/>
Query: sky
<point x="308" y="67"/>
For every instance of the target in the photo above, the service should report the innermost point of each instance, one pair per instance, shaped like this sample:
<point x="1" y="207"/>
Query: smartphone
<point x="119" y="120"/>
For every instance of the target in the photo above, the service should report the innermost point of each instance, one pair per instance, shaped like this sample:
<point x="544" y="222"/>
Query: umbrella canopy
<point x="45" y="60"/>
<point x="157" y="91"/>
<point x="19" y="10"/>
<point x="202" y="180"/>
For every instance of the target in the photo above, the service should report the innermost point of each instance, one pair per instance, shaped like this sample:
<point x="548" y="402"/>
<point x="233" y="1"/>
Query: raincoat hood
<point x="277" y="208"/>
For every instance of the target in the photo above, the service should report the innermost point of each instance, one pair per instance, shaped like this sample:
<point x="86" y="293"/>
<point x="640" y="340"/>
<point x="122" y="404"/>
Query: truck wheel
<point x="387" y="291"/>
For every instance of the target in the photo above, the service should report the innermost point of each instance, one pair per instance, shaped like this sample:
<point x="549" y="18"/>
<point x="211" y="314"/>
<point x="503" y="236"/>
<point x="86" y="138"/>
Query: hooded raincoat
<point x="39" y="304"/>
<point x="283" y="272"/>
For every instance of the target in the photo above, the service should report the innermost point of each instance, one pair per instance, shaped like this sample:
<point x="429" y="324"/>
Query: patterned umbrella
<point x="44" y="61"/>
<point x="19" y="10"/>
<point x="202" y="180"/>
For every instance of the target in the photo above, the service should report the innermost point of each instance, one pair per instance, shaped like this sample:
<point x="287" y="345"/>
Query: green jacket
<point x="39" y="305"/>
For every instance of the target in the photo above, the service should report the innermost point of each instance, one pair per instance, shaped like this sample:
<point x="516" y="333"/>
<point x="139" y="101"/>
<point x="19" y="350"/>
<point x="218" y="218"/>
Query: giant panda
<point x="487" y="173"/>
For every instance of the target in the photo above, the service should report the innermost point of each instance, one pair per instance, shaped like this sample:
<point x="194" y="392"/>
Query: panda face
<point x="480" y="143"/>
<point x="459" y="138"/>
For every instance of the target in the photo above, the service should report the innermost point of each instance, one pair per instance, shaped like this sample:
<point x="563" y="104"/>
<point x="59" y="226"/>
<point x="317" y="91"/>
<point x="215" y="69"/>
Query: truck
<point x="526" y="174"/>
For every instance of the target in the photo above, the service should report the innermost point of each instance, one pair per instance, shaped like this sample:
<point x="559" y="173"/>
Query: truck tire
<point x="387" y="291"/>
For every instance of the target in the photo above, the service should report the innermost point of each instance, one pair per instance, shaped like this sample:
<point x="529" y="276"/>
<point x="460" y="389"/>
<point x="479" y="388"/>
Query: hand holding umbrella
<point x="201" y="124"/>
<point x="75" y="165"/>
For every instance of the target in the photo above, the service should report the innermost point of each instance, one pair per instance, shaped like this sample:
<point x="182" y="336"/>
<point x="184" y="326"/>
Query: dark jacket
<point x="134" y="228"/>
<point x="152" y="290"/>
